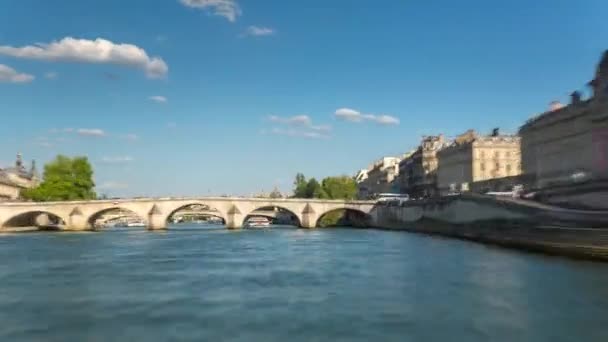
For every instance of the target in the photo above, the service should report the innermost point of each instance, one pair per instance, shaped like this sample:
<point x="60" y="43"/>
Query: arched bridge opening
<point x="196" y="215"/>
<point x="344" y="217"/>
<point x="35" y="219"/>
<point x="271" y="216"/>
<point x="116" y="218"/>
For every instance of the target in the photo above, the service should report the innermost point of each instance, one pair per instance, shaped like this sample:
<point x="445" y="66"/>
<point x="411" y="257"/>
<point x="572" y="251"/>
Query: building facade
<point x="380" y="178"/>
<point x="476" y="158"/>
<point x="418" y="170"/>
<point x="17" y="178"/>
<point x="569" y="142"/>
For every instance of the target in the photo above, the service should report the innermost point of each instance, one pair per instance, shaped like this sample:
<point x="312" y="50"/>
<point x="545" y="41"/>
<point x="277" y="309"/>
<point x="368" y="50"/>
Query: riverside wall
<point x="504" y="221"/>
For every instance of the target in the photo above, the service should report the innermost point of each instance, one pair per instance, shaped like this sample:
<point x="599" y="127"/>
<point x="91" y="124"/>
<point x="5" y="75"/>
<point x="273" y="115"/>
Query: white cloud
<point x="43" y="142"/>
<point x="299" y="126"/>
<point x="303" y="120"/>
<point x="91" y="132"/>
<point x="51" y="75"/>
<point x="99" y="51"/>
<point x="387" y="120"/>
<point x="228" y="9"/>
<point x="257" y="31"/>
<point x="10" y="75"/>
<point x="352" y="115"/>
<point x="117" y="160"/>
<point x="292" y="132"/>
<point x="158" y="99"/>
<point x="130" y="137"/>
<point x="112" y="185"/>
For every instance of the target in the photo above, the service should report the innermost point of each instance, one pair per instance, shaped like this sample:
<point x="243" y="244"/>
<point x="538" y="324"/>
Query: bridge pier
<point x="77" y="221"/>
<point x="234" y="218"/>
<point x="157" y="222"/>
<point x="309" y="218"/>
<point x="156" y="219"/>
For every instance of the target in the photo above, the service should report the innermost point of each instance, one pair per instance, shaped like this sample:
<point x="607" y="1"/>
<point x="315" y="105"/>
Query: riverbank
<point x="577" y="243"/>
<point x="530" y="227"/>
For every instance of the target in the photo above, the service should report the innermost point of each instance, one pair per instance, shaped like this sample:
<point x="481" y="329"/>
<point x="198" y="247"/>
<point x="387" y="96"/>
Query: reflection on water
<point x="193" y="283"/>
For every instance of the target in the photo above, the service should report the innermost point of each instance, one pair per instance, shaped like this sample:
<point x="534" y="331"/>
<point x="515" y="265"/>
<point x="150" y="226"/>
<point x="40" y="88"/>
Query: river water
<point x="291" y="285"/>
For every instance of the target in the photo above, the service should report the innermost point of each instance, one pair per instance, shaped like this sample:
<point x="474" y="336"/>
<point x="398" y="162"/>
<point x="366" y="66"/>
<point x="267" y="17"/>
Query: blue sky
<point x="198" y="97"/>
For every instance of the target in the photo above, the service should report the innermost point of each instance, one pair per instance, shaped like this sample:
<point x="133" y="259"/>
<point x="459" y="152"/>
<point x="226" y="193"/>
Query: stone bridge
<point x="155" y="212"/>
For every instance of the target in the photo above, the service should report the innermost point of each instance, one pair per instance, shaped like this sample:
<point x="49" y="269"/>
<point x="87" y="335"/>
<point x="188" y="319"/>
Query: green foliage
<point x="313" y="187"/>
<point x="342" y="187"/>
<point x="65" y="179"/>
<point x="300" y="186"/>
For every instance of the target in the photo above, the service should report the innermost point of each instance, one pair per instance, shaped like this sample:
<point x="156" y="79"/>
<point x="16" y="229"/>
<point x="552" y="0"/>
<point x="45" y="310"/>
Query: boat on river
<point x="257" y="222"/>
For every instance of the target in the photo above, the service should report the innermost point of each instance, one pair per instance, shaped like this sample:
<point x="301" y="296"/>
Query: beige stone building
<point x="14" y="179"/>
<point x="476" y="158"/>
<point x="569" y="142"/>
<point x="380" y="178"/>
<point x="418" y="170"/>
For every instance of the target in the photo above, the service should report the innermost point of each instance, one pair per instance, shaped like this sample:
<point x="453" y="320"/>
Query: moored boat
<point x="257" y="222"/>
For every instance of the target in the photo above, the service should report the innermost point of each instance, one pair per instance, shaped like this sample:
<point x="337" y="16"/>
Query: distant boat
<point x="136" y="224"/>
<point x="257" y="222"/>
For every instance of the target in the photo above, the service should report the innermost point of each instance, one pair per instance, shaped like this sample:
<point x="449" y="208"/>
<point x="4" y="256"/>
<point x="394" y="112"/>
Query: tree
<point x="300" y="185"/>
<point x="313" y="188"/>
<point x="342" y="187"/>
<point x="65" y="179"/>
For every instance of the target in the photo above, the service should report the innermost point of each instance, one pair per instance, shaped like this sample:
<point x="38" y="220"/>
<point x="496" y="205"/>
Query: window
<point x="509" y="168"/>
<point x="482" y="154"/>
<point x="508" y="154"/>
<point x="497" y="166"/>
<point x="482" y="167"/>
<point x="496" y="154"/>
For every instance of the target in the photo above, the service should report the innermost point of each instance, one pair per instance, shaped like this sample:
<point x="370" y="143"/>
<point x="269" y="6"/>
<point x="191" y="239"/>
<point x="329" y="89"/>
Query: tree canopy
<point x="65" y="179"/>
<point x="341" y="187"/>
<point x="300" y="185"/>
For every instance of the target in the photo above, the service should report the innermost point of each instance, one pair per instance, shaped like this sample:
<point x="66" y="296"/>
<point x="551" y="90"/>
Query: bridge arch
<point x="35" y="218"/>
<point x="96" y="219"/>
<point x="258" y="210"/>
<point x="204" y="209"/>
<point x="344" y="216"/>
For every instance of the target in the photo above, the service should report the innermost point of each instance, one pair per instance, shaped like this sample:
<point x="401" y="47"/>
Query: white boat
<point x="257" y="222"/>
<point x="136" y="224"/>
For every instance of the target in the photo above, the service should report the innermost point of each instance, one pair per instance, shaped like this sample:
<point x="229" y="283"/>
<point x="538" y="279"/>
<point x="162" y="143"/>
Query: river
<point x="291" y="285"/>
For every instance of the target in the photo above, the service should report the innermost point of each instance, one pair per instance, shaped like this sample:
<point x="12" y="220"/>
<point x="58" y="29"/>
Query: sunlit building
<point x="380" y="178"/>
<point x="569" y="143"/>
<point x="418" y="176"/>
<point x="475" y="158"/>
<point x="14" y="179"/>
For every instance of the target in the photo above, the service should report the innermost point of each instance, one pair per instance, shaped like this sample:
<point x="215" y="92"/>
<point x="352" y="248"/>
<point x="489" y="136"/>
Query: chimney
<point x="575" y="97"/>
<point x="555" y="105"/>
